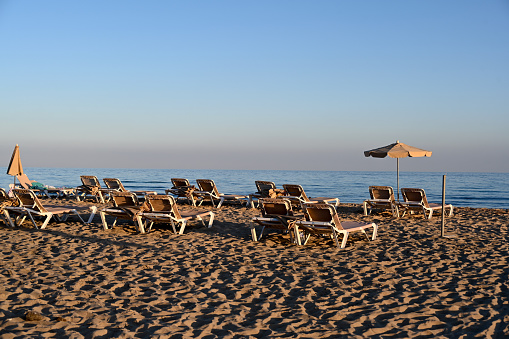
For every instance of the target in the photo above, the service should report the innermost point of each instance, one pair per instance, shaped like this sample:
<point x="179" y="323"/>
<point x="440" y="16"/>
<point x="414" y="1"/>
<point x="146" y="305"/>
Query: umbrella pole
<point x="397" y="171"/>
<point x="443" y="207"/>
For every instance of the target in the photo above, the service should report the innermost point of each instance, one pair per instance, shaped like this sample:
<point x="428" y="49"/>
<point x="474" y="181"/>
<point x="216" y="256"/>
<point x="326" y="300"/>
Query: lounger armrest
<point x="314" y="223"/>
<point x="379" y="200"/>
<point x="155" y="214"/>
<point x="411" y="204"/>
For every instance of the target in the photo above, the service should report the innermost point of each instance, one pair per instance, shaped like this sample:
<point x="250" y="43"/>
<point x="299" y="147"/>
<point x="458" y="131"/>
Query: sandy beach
<point x="80" y="281"/>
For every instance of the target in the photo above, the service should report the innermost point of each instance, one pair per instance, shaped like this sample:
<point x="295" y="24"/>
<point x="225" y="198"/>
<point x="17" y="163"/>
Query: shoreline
<point x="88" y="282"/>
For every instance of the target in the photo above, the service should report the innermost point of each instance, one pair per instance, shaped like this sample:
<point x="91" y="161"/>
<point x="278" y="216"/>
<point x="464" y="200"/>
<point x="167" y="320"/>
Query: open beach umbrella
<point x="397" y="150"/>
<point x="15" y="167"/>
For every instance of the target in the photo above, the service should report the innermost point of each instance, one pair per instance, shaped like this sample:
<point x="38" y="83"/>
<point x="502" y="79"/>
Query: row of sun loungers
<point x="155" y="209"/>
<point x="27" y="204"/>
<point x="319" y="219"/>
<point x="414" y="200"/>
<point x="277" y="207"/>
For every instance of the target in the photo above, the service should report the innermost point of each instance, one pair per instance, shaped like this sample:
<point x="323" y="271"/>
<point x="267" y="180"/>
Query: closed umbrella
<point x="15" y="167"/>
<point x="397" y="150"/>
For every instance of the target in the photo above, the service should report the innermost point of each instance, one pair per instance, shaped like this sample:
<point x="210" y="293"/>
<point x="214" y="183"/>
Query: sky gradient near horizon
<point x="304" y="85"/>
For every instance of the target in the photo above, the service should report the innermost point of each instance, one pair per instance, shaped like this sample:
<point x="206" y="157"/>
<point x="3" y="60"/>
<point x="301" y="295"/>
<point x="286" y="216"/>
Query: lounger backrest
<point x="114" y="184"/>
<point x="207" y="185"/>
<point x="415" y="195"/>
<point x="276" y="207"/>
<point x="180" y="182"/>
<point x="27" y="198"/>
<point x="163" y="203"/>
<point x="90" y="180"/>
<point x="322" y="213"/>
<point x="264" y="187"/>
<point x="381" y="192"/>
<point x="124" y="199"/>
<point x="24" y="181"/>
<point x="296" y="191"/>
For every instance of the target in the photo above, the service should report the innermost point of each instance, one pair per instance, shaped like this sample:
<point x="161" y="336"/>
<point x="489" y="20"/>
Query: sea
<point x="464" y="189"/>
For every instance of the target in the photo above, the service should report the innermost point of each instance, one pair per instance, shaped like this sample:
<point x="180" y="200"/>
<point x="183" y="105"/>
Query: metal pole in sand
<point x="397" y="171"/>
<point x="443" y="206"/>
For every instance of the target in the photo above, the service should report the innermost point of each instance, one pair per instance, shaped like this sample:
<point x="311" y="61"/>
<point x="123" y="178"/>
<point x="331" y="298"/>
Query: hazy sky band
<point x="255" y="84"/>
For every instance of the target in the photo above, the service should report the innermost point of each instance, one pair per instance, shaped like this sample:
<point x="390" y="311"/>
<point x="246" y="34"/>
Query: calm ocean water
<point x="462" y="189"/>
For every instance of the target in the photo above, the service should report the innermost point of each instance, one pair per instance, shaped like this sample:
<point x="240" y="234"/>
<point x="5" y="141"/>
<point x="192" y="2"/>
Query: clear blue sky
<point x="276" y="84"/>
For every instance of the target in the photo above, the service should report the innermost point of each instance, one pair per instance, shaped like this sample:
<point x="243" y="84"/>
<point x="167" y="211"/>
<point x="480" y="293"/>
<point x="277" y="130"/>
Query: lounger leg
<point x="261" y="233"/>
<point x="211" y="219"/>
<point x="365" y="233"/>
<point x="48" y="218"/>
<point x="335" y="237"/>
<point x="220" y="203"/>
<point x="31" y="218"/>
<point x="365" y="208"/>
<point x="250" y="202"/>
<point x="183" y="227"/>
<point x="375" y="231"/>
<point x="21" y="219"/>
<point x="93" y="210"/>
<point x="306" y="238"/>
<point x="78" y="215"/>
<point x="345" y="238"/>
<point x="172" y="223"/>
<point x="253" y="231"/>
<point x="8" y="218"/>
<point x="139" y="224"/>
<point x="149" y="227"/>
<point x="297" y="235"/>
<point x="395" y="211"/>
<point x="103" y="219"/>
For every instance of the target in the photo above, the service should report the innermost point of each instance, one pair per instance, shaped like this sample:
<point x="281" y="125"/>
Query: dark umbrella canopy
<point x="397" y="150"/>
<point x="15" y="167"/>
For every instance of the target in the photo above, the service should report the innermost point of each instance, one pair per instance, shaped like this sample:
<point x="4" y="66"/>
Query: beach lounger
<point x="30" y="206"/>
<point x="116" y="184"/>
<point x="414" y="200"/>
<point x="277" y="214"/>
<point x="263" y="191"/>
<point x="5" y="201"/>
<point x="164" y="209"/>
<point x="381" y="197"/>
<point x="42" y="190"/>
<point x="296" y="194"/>
<point x="125" y="206"/>
<point x="182" y="189"/>
<point x="91" y="188"/>
<point x="322" y="219"/>
<point x="208" y="192"/>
